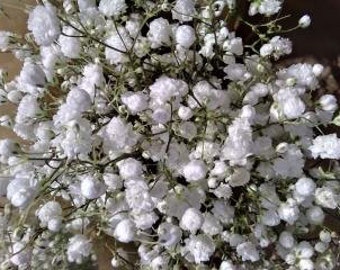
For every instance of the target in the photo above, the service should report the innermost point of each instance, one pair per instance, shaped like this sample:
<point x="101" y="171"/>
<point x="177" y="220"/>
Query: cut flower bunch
<point x="159" y="131"/>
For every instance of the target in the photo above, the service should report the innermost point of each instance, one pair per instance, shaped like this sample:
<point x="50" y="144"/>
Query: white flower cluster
<point x="153" y="123"/>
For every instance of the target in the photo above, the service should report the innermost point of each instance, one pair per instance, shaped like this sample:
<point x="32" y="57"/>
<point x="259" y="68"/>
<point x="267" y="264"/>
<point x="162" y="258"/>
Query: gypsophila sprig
<point x="154" y="125"/>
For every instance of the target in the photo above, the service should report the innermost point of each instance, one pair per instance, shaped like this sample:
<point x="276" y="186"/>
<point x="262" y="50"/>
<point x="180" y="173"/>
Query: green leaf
<point x="336" y="121"/>
<point x="326" y="174"/>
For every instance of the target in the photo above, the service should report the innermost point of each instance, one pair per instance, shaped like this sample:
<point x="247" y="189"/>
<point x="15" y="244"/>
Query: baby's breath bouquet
<point x="162" y="133"/>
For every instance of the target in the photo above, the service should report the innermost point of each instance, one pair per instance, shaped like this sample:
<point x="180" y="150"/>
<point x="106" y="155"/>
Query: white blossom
<point x="20" y="257"/>
<point x="247" y="251"/>
<point x="192" y="220"/>
<point x="21" y="191"/>
<point x="112" y="8"/>
<point x="328" y="103"/>
<point x="326" y="146"/>
<point x="50" y="215"/>
<point x="169" y="234"/>
<point x="305" y="186"/>
<point x="327" y="197"/>
<point x="183" y="10"/>
<point x="130" y="168"/>
<point x="315" y="215"/>
<point x="91" y="188"/>
<point x="185" y="36"/>
<point x="69" y="46"/>
<point x="289" y="212"/>
<point x="286" y="239"/>
<point x="44" y="24"/>
<point x="305" y="21"/>
<point x="135" y="102"/>
<point x="200" y="247"/>
<point x="4" y="40"/>
<point x="195" y="170"/>
<point x="159" y="33"/>
<point x="78" y="248"/>
<point x="125" y="231"/>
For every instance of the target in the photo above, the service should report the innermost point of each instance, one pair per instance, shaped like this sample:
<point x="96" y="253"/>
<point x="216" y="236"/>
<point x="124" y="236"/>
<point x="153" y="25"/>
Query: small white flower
<point x="326" y="147"/>
<point x="224" y="212"/>
<point x="125" y="231"/>
<point x="21" y="255"/>
<point x="318" y="69"/>
<point x="237" y="72"/>
<point x="183" y="10"/>
<point x="4" y="40"/>
<point x="270" y="218"/>
<point x="85" y="4"/>
<point x="240" y="177"/>
<point x="305" y="186"/>
<point x="130" y="168"/>
<point x="138" y="196"/>
<point x="115" y="262"/>
<point x="112" y="7"/>
<point x="78" y="99"/>
<point x="227" y="265"/>
<point x="266" y="50"/>
<point x="120" y="42"/>
<point x="289" y="212"/>
<point x="31" y="74"/>
<point x="327" y="197"/>
<point x="144" y="220"/>
<point x="185" y="36"/>
<point x="165" y="88"/>
<point x="69" y="46"/>
<point x="211" y="225"/>
<point x="302" y="75"/>
<point x="91" y="188"/>
<point x="112" y="181"/>
<point x="233" y="46"/>
<point x="135" y="101"/>
<point x="76" y="139"/>
<point x="328" y="103"/>
<point x="192" y="220"/>
<point x="287" y="240"/>
<point x="195" y="170"/>
<point x="21" y="191"/>
<point x="7" y="147"/>
<point x="270" y="7"/>
<point x="291" y="104"/>
<point x="321" y="247"/>
<point x="50" y="215"/>
<point x="185" y="113"/>
<point x="44" y="24"/>
<point x="169" y="234"/>
<point x="325" y="236"/>
<point x="237" y="146"/>
<point x="248" y="252"/>
<point x="201" y="247"/>
<point x="161" y="115"/>
<point x="305" y="21"/>
<point x="159" y="33"/>
<point x="315" y="215"/>
<point x="78" y="248"/>
<point x="304" y="250"/>
<point x="306" y="264"/>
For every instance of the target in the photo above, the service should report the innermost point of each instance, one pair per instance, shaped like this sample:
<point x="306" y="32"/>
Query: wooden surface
<point x="15" y="22"/>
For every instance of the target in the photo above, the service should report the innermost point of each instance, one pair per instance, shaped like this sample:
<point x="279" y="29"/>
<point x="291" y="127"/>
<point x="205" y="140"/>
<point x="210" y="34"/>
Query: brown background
<point x="15" y="22"/>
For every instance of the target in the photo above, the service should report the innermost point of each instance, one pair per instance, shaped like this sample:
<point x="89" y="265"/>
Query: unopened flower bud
<point x="305" y="21"/>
